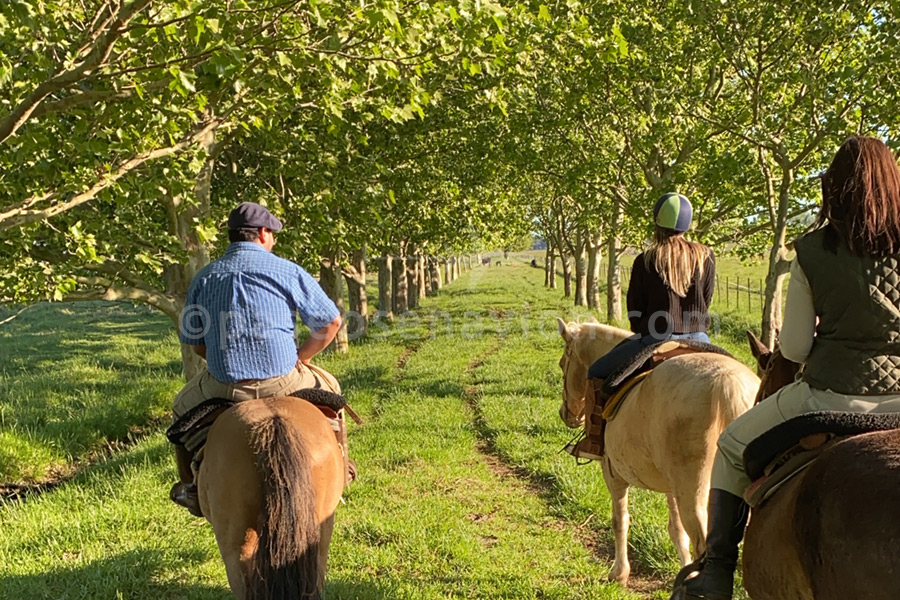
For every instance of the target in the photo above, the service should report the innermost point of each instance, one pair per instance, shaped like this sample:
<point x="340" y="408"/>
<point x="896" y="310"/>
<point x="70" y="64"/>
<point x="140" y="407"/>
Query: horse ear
<point x="759" y="350"/>
<point x="563" y="329"/>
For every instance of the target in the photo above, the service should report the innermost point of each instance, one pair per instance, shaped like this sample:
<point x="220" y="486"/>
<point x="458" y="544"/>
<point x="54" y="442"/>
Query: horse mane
<point x="592" y="340"/>
<point x="602" y="330"/>
<point x="286" y="562"/>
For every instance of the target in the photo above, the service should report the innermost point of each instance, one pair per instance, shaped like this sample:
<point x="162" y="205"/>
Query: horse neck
<point x="596" y="339"/>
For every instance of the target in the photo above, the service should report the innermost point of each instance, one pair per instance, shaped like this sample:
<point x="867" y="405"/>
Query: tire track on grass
<point x="60" y="475"/>
<point x="542" y="486"/>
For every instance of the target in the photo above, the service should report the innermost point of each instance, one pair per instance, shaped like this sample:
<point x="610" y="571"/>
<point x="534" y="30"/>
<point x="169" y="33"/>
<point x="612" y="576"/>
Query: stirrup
<point x="692" y="568"/>
<point x="582" y="457"/>
<point x="185" y="494"/>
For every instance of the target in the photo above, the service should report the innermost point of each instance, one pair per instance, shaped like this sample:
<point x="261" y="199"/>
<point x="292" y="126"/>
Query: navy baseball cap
<point x="673" y="211"/>
<point x="250" y="215"/>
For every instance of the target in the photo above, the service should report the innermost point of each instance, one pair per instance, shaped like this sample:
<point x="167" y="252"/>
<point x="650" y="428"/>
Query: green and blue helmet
<point x="673" y="211"/>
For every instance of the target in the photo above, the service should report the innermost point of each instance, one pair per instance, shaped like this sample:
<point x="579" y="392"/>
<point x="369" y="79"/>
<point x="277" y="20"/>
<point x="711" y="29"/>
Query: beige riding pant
<point x="791" y="401"/>
<point x="204" y="386"/>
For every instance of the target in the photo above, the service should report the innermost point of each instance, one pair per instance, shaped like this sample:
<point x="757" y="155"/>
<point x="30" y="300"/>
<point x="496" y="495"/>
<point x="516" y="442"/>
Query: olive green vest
<point x="857" y="300"/>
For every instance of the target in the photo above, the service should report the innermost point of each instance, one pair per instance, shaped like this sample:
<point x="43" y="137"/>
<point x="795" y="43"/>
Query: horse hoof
<point x="619" y="577"/>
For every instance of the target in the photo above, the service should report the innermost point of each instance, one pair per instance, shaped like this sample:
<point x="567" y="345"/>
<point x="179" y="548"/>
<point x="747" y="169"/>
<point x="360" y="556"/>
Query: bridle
<point x="774" y="358"/>
<point x="567" y="354"/>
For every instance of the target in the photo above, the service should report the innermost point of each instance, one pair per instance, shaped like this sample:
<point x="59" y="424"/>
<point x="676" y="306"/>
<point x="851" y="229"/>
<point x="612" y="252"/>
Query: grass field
<point x="462" y="493"/>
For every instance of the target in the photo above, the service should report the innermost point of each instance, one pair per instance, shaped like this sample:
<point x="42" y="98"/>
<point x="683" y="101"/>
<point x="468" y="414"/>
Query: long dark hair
<point x="678" y="261"/>
<point x="861" y="197"/>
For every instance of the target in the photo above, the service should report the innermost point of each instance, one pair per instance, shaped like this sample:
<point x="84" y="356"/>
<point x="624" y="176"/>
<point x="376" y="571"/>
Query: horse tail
<point x="286" y="563"/>
<point x="734" y="392"/>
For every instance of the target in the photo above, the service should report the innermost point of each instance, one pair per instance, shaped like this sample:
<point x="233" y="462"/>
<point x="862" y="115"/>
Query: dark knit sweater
<point x="653" y="308"/>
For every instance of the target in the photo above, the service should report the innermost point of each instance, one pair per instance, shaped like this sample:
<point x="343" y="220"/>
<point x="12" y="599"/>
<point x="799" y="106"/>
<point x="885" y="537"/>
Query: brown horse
<point x="664" y="436"/>
<point x="269" y="483"/>
<point x="832" y="532"/>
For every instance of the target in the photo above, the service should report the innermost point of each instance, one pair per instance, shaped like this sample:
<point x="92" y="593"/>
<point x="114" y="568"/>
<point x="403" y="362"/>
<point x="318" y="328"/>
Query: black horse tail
<point x="286" y="564"/>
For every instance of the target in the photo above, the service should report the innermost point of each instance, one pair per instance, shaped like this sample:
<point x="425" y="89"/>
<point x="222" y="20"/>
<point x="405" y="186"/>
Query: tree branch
<point x="112" y="293"/>
<point x="24" y="214"/>
<point x="97" y="57"/>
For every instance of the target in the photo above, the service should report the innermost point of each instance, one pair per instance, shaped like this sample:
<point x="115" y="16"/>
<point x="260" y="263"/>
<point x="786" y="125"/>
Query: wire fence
<point x="740" y="291"/>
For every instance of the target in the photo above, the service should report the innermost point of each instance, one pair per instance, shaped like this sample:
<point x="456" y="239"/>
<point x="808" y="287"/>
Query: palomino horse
<point x="831" y="532"/>
<point x="269" y="483"/>
<point x="663" y="437"/>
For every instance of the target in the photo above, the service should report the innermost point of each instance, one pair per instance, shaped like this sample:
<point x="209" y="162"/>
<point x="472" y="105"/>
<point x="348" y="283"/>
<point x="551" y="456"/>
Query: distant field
<point x="463" y="492"/>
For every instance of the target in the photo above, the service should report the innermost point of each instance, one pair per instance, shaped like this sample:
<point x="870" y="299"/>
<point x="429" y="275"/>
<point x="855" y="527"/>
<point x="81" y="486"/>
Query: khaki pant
<point x="204" y="386"/>
<point x="791" y="401"/>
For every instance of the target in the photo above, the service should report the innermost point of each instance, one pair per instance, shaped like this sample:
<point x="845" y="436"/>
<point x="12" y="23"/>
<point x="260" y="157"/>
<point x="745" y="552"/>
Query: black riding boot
<point x="184" y="492"/>
<point x="727" y="518"/>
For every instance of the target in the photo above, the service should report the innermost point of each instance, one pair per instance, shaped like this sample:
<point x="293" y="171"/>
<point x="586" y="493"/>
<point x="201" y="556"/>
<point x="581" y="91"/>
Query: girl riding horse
<point x="669" y="295"/>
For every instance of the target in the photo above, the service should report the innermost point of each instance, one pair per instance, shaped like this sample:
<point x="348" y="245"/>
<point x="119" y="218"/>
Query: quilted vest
<point x="857" y="299"/>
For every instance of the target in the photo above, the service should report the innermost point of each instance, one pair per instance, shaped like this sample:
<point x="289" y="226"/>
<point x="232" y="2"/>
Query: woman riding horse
<point x="842" y="320"/>
<point x="669" y="294"/>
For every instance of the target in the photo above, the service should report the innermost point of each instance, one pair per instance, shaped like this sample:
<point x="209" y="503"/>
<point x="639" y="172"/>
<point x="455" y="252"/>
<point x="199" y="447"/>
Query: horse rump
<point x="285" y="565"/>
<point x="846" y="519"/>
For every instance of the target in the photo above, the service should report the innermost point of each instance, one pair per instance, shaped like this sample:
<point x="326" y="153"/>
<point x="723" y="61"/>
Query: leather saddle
<point x="191" y="429"/>
<point x="778" y="455"/>
<point x="632" y="372"/>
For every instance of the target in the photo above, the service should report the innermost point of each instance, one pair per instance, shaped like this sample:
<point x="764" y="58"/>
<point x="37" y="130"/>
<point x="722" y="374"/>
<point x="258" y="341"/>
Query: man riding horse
<point x="240" y="314"/>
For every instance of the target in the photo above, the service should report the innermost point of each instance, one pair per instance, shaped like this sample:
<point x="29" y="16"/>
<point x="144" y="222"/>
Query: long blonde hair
<point x="677" y="260"/>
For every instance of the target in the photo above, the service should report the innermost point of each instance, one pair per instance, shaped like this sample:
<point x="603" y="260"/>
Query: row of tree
<point x="130" y="128"/>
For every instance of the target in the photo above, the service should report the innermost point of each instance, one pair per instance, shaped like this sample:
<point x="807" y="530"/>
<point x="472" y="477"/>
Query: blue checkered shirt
<point x="244" y="307"/>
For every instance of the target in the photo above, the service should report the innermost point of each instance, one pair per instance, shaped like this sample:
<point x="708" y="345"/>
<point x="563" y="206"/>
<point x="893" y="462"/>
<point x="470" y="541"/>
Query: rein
<point x="568" y="356"/>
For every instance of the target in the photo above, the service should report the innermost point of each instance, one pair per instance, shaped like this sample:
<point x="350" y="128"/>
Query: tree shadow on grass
<point x="134" y="574"/>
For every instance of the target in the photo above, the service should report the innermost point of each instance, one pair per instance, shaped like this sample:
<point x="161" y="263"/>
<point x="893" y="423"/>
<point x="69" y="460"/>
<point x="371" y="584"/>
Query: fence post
<point x="727" y="299"/>
<point x="749" y="302"/>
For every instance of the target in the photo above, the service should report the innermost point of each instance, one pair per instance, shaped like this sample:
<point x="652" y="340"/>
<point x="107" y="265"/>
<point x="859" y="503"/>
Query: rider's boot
<point x="349" y="465"/>
<point x="715" y="581"/>
<point x="591" y="445"/>
<point x="184" y="492"/>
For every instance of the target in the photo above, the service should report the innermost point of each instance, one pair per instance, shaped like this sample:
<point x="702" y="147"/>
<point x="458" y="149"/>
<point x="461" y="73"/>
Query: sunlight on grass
<point x="462" y="492"/>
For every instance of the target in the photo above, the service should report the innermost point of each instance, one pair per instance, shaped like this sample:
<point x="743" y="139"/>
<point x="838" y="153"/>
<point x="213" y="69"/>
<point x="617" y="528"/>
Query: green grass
<point x="462" y="490"/>
<point x="76" y="378"/>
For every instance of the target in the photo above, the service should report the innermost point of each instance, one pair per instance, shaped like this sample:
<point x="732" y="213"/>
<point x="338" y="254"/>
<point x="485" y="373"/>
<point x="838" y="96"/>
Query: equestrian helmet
<point x="673" y="211"/>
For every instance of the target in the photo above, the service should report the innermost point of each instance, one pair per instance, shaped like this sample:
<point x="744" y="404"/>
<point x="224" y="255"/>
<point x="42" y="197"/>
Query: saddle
<point x="775" y="457"/>
<point x="191" y="429"/>
<point x="627" y="376"/>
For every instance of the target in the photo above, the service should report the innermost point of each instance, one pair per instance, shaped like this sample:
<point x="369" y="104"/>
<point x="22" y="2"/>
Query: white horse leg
<point x="618" y="491"/>
<point x="692" y="510"/>
<point x="676" y="532"/>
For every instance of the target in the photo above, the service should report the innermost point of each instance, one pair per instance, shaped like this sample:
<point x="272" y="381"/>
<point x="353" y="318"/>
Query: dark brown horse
<point x="832" y="532"/>
<point x="270" y="480"/>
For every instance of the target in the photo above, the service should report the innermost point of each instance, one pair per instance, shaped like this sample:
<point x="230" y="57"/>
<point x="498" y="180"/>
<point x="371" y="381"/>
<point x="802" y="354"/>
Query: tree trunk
<point x="580" y="269"/>
<point x="423" y="276"/>
<point x="548" y="253"/>
<point x="412" y="281"/>
<point x="567" y="276"/>
<point x="613" y="281"/>
<point x="447" y="278"/>
<point x="358" y="317"/>
<point x="332" y="281"/>
<point x="183" y="218"/>
<point x="434" y="272"/>
<point x="614" y="255"/>
<point x="551" y="268"/>
<point x="779" y="265"/>
<point x="593" y="274"/>
<point x="398" y="273"/>
<point x="385" y="304"/>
